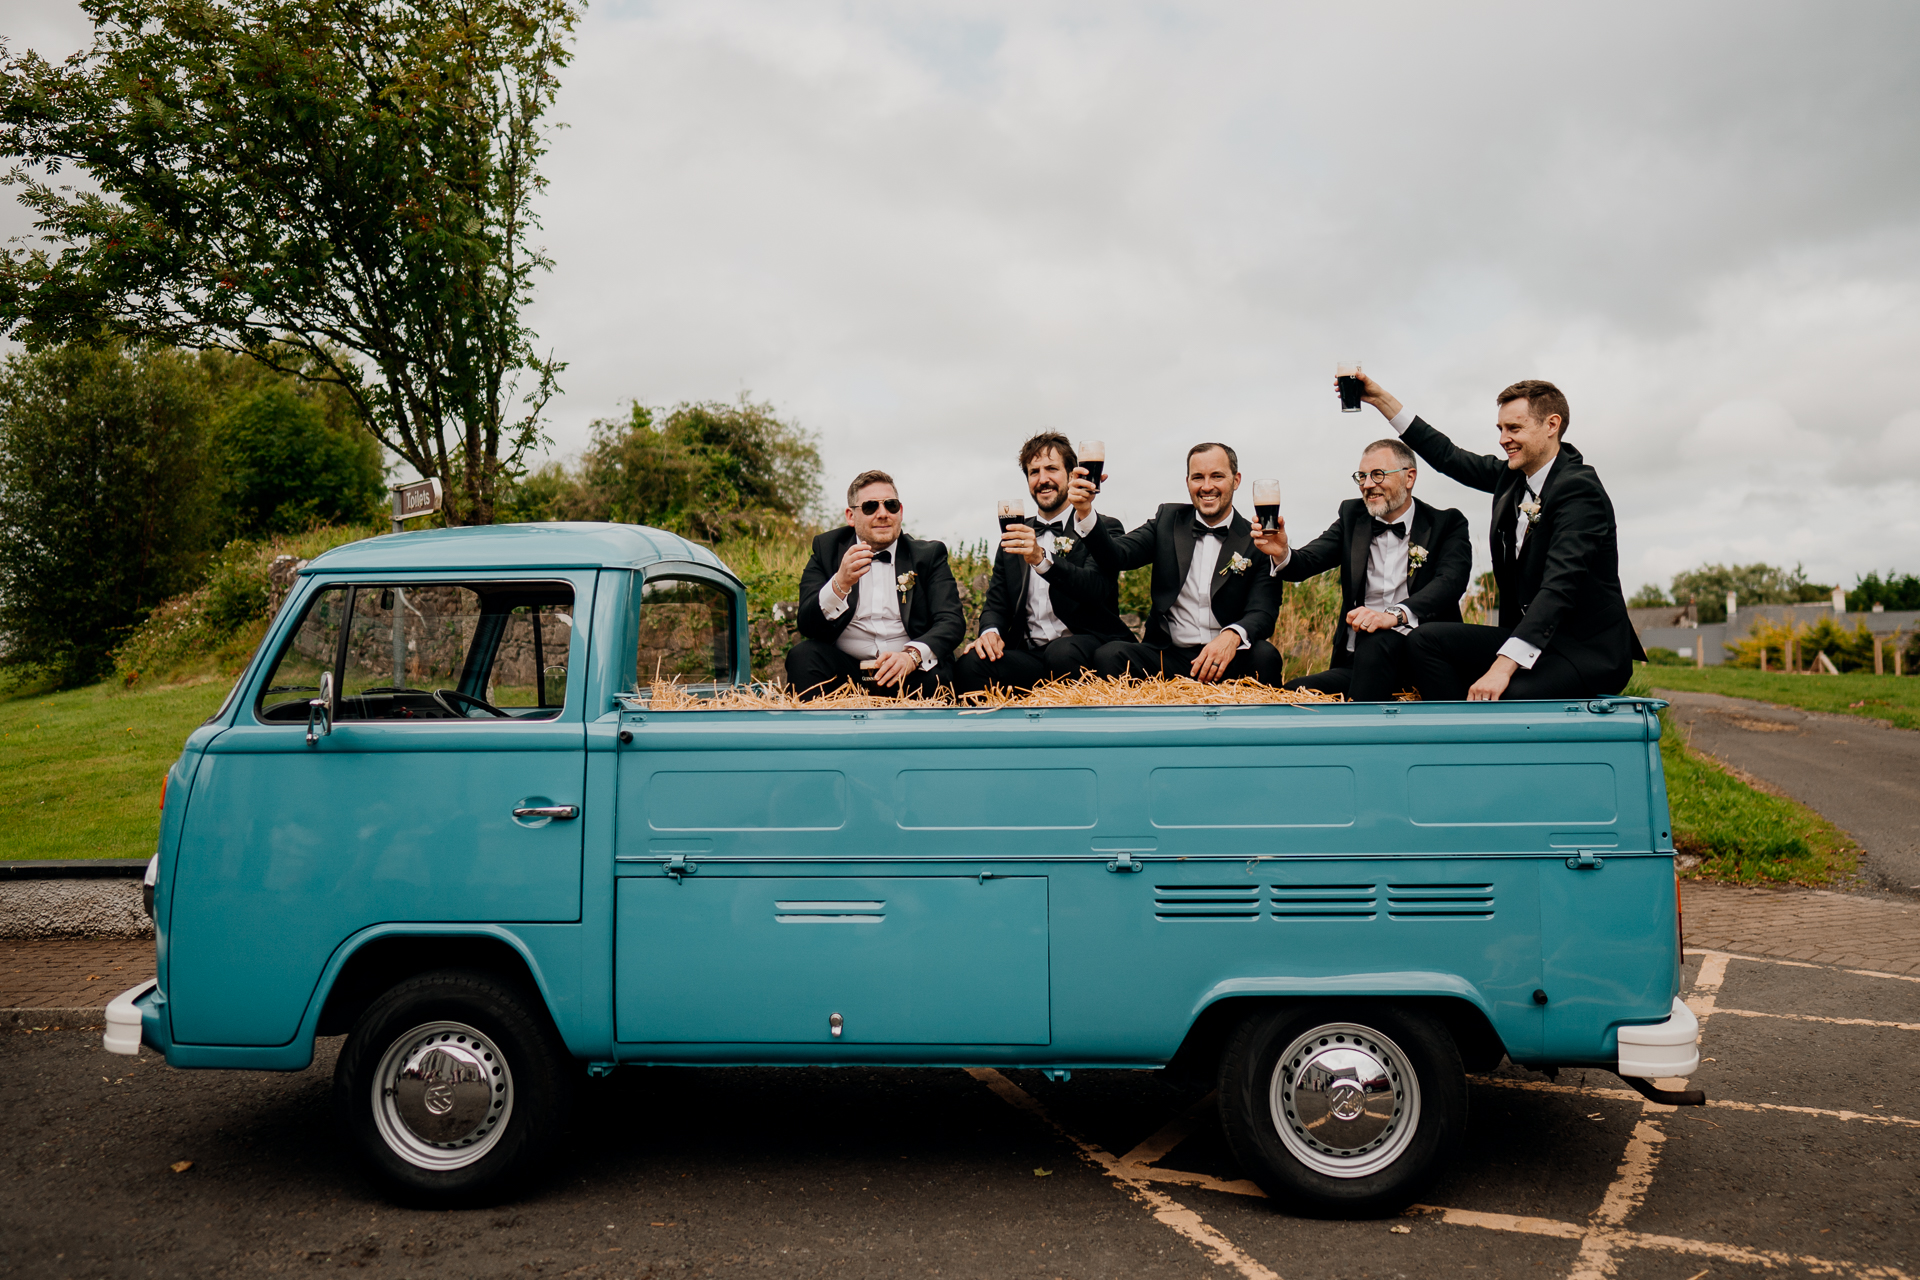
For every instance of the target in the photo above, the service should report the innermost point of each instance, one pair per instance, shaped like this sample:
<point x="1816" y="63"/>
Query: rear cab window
<point x="480" y="651"/>
<point x="685" y="634"/>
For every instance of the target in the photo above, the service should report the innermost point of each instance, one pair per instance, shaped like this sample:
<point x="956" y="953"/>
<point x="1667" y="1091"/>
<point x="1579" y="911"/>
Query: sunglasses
<point x="872" y="505"/>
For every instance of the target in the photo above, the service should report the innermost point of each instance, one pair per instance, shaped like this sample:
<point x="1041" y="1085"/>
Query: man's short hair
<point x="866" y="478"/>
<point x="1402" y="454"/>
<point x="1233" y="459"/>
<point x="1543" y="400"/>
<point x="1046" y="440"/>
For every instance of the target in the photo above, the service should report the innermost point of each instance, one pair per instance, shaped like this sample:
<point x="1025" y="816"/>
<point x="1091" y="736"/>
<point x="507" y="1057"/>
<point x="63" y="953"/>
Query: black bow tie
<point x="1209" y="531"/>
<point x="1398" y="528"/>
<point x="1056" y="529"/>
<point x="884" y="557"/>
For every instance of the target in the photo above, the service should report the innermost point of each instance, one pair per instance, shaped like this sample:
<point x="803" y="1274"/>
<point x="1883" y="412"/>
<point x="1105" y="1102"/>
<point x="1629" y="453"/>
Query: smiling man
<point x="1564" y="630"/>
<point x="1214" y="603"/>
<point x="875" y="605"/>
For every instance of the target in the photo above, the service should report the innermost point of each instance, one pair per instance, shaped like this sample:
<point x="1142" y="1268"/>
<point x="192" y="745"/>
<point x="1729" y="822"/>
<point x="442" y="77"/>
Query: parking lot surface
<point x="1804" y="1163"/>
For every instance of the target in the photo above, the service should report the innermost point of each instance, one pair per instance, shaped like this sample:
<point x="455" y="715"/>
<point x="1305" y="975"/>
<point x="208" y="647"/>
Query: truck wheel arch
<point x="381" y="962"/>
<point x="1198" y="1057"/>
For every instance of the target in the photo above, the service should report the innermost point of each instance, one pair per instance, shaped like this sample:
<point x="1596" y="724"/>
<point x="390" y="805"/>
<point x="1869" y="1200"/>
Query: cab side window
<point x="686" y="633"/>
<point x="483" y="651"/>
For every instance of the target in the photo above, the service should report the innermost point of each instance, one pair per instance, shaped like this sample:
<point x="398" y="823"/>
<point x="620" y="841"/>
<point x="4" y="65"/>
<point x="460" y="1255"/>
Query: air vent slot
<point x="829" y="912"/>
<point x="1323" y="901"/>
<point x="1440" y="902"/>
<point x="1206" y="902"/>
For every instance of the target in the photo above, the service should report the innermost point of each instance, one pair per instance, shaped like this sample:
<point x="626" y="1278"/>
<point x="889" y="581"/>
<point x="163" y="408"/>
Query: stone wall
<point x="108" y="908"/>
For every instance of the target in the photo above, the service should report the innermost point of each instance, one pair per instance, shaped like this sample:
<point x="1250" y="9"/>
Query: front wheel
<point x="451" y="1088"/>
<point x="1343" y="1111"/>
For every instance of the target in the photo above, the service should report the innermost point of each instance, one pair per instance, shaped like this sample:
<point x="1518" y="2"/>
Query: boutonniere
<point x="1416" y="556"/>
<point x="1239" y="564"/>
<point x="1531" y="510"/>
<point x="1062" y="543"/>
<point x="905" y="582"/>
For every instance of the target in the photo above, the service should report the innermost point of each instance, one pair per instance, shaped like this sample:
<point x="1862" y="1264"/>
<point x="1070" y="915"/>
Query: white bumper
<point x="123" y="1020"/>
<point x="1664" y="1049"/>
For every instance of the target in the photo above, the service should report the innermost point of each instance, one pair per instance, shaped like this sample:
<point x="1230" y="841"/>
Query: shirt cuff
<point x="926" y="655"/>
<point x="1085" y="527"/>
<point x="1408" y="614"/>
<point x="1520" y="651"/>
<point x="1401" y="421"/>
<point x="1275" y="566"/>
<point x="831" y="604"/>
<point x="1240" y="631"/>
<point x="1046" y="562"/>
<point x="991" y="631"/>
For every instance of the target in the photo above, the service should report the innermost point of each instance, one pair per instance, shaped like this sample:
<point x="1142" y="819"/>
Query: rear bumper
<point x="1661" y="1050"/>
<point x="133" y="1019"/>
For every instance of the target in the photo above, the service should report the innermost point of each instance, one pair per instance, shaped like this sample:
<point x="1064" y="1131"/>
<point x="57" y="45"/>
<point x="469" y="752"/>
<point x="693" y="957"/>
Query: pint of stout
<point x="1351" y="385"/>
<point x="1012" y="512"/>
<point x="1266" y="504"/>
<point x="1093" y="456"/>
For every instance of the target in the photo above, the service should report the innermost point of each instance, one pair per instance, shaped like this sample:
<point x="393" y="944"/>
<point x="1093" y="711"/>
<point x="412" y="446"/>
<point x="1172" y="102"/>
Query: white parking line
<point x="1810" y="1017"/>
<point x="1713" y="1104"/>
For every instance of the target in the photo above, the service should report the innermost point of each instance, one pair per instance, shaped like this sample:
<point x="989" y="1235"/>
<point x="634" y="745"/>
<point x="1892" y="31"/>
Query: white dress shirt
<point x="877" y="626"/>
<point x="1192" y="621"/>
<point x="1389" y="572"/>
<point x="1043" y="624"/>
<point x="1519" y="650"/>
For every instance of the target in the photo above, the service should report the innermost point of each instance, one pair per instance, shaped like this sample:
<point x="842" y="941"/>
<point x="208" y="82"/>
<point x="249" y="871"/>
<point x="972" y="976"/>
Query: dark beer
<point x="1007" y="522"/>
<point x="1093" y="459"/>
<point x="1268" y="514"/>
<point x="1352" y="386"/>
<point x="1011" y="513"/>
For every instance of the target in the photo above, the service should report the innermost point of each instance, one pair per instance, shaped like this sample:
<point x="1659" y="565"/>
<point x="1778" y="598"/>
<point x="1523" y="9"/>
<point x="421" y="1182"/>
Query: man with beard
<point x="1564" y="630"/>
<point x="1402" y="563"/>
<point x="874" y="603"/>
<point x="1049" y="606"/>
<point x="1213" y="607"/>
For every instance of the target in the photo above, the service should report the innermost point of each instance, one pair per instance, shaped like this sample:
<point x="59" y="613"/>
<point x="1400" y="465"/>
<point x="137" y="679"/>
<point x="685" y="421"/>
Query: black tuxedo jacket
<point x="1250" y="598"/>
<point x="930" y="608"/>
<point x="1436" y="586"/>
<point x="1561" y="592"/>
<point x="1084" y="596"/>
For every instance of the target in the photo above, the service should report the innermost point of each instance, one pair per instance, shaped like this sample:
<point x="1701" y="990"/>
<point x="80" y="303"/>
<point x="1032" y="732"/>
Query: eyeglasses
<point x="872" y="505"/>
<point x="1376" y="476"/>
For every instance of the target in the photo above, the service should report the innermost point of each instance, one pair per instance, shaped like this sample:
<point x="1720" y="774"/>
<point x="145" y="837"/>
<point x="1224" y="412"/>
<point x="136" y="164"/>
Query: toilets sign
<point x="418" y="499"/>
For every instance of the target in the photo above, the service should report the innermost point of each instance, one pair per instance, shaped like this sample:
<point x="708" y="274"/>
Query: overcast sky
<point x="926" y="230"/>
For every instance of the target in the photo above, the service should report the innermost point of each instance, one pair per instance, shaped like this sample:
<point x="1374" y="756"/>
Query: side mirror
<point x="320" y="711"/>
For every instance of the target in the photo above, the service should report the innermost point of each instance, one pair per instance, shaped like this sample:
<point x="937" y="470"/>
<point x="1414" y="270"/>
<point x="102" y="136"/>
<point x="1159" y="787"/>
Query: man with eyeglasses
<point x="1214" y="608"/>
<point x="1049" y="607"/>
<point x="874" y="603"/>
<point x="1564" y="630"/>
<point x="1403" y="564"/>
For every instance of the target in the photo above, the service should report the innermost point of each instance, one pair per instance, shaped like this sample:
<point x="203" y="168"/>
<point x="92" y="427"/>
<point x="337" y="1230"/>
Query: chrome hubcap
<point x="1345" y="1100"/>
<point x="442" y="1095"/>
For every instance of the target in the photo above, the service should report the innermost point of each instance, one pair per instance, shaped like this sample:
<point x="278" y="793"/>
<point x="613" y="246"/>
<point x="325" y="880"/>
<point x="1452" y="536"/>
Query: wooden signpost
<point x="421" y="498"/>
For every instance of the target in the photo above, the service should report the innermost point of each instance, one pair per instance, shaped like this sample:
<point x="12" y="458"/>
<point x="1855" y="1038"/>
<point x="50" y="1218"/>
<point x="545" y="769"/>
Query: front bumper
<point x="127" y="1017"/>
<point x="1661" y="1050"/>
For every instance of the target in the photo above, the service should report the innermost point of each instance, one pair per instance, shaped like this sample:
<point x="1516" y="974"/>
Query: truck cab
<point x="443" y="814"/>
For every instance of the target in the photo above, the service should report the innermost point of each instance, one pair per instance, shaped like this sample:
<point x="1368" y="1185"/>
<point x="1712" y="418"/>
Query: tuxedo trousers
<point x="1378" y="670"/>
<point x="1445" y="659"/>
<point x="815" y="667"/>
<point x="1022" y="669"/>
<point x="1127" y="657"/>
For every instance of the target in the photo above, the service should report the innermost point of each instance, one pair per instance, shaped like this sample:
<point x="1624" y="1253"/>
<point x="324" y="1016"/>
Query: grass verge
<point x="80" y="770"/>
<point x="1891" y="698"/>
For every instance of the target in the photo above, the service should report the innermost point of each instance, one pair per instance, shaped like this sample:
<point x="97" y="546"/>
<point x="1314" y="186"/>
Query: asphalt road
<point x="1808" y="1163"/>
<point x="1860" y="775"/>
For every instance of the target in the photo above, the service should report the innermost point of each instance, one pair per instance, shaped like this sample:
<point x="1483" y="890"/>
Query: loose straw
<point x="1084" y="691"/>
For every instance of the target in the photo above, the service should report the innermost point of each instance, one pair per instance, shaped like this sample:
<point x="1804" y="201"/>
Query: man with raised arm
<point x="874" y="603"/>
<point x="1049" y="606"/>
<point x="1403" y="564"/>
<point x="1564" y="630"/>
<point x="1214" y="605"/>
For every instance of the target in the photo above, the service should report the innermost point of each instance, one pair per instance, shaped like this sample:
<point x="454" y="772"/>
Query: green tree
<point x="712" y="471"/>
<point x="341" y="188"/>
<point x="1649" y="596"/>
<point x="1895" y="591"/>
<point x="285" y="467"/>
<point x="104" y="509"/>
<point x="1751" y="584"/>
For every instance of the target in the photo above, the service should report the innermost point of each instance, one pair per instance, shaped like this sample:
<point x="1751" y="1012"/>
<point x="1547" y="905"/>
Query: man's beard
<point x="1049" y="499"/>
<point x="1378" y="507"/>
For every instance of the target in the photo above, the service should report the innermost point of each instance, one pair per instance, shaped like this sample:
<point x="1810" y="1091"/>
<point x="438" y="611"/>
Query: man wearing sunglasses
<point x="875" y="605"/>
<point x="1402" y="564"/>
<point x="1049" y="606"/>
<point x="1564" y="629"/>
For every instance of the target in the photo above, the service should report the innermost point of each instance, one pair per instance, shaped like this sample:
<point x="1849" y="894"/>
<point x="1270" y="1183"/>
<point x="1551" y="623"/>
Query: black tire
<point x="1405" y="1127"/>
<point x="451" y="1089"/>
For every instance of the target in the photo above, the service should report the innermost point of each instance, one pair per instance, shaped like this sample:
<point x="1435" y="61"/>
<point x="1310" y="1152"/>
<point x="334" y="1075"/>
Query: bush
<point x="1663" y="657"/>
<point x="1849" y="650"/>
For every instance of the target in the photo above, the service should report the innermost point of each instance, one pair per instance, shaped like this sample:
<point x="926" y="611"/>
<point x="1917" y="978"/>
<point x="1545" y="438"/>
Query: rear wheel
<point x="451" y="1088"/>
<point x="1343" y="1111"/>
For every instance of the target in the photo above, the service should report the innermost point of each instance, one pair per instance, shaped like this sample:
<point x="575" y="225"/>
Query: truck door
<point x="455" y="705"/>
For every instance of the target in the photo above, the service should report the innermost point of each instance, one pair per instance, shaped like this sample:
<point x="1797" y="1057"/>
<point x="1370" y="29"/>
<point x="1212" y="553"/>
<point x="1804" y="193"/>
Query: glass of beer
<point x="1093" y="456"/>
<point x="1013" y="511"/>
<point x="1266" y="504"/>
<point x="1352" y="386"/>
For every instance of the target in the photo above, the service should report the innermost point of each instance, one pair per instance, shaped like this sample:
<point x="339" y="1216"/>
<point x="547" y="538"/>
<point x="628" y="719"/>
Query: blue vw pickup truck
<point x="439" y="815"/>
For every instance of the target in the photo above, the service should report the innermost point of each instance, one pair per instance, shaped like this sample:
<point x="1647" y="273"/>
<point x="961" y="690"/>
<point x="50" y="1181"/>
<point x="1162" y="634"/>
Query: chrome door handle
<point x="549" y="811"/>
